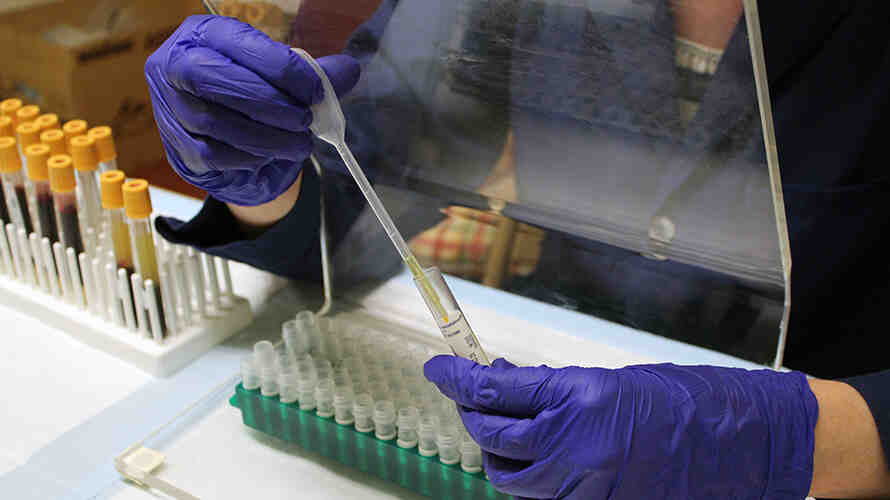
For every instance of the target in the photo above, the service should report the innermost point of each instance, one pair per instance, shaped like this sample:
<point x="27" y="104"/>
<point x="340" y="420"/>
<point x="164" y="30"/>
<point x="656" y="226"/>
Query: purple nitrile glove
<point x="232" y="107"/>
<point x="648" y="431"/>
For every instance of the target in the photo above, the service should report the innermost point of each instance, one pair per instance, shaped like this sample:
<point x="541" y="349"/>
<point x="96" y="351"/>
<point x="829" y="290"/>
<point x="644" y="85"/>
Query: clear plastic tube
<point x="362" y="412"/>
<point x="120" y="238"/>
<point x="456" y="330"/>
<point x="427" y="430"/>
<point x="44" y="212"/>
<point x="324" y="398"/>
<point x="384" y="420"/>
<point x="250" y="376"/>
<point x="343" y="401"/>
<point x="17" y="199"/>
<point x="88" y="200"/>
<point x="407" y="424"/>
<point x="470" y="456"/>
<point x="448" y="443"/>
<point x="65" y="206"/>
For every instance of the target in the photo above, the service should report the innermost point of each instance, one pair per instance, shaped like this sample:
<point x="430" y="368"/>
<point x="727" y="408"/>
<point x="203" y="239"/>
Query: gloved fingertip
<point x="343" y="71"/>
<point x="502" y="363"/>
<point x="436" y="369"/>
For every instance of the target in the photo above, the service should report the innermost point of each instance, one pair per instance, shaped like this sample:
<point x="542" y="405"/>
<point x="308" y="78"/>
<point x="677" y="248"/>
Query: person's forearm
<point x="848" y="460"/>
<point x="254" y="220"/>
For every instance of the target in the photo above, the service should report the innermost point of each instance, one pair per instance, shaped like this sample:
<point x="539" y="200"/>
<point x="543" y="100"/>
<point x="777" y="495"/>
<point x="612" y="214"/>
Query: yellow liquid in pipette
<point x="428" y="289"/>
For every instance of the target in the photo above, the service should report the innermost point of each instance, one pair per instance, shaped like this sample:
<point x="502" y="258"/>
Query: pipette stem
<point x="390" y="228"/>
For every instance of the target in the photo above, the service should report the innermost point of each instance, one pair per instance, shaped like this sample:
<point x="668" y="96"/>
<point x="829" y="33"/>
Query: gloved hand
<point x="648" y="431"/>
<point x="232" y="107"/>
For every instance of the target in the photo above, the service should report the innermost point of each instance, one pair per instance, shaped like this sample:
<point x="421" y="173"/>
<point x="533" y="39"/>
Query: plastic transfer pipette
<point x="329" y="125"/>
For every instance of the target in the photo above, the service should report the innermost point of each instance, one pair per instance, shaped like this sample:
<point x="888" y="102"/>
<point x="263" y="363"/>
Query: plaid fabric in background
<point x="461" y="243"/>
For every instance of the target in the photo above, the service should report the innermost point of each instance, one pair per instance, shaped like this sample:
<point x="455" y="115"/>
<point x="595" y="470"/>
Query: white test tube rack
<point x="90" y="299"/>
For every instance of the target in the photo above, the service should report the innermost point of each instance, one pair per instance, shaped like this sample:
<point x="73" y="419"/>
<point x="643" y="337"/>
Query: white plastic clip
<point x="39" y="265"/>
<point x="123" y="287"/>
<point x="89" y="283"/>
<point x="52" y="274"/>
<point x="212" y="281"/>
<point x="113" y="295"/>
<point x="27" y="261"/>
<point x="154" y="313"/>
<point x="62" y="271"/>
<point x="13" y="246"/>
<point x="8" y="266"/>
<point x="139" y="303"/>
<point x="74" y="271"/>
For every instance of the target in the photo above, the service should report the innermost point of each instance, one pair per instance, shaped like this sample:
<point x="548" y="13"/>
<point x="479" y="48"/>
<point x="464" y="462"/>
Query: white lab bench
<point x="70" y="410"/>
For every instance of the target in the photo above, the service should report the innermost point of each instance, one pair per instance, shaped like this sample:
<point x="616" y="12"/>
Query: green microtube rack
<point x="384" y="459"/>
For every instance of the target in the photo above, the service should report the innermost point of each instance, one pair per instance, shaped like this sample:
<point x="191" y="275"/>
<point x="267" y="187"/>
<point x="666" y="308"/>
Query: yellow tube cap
<point x="55" y="139"/>
<point x="36" y="156"/>
<point x="28" y="133"/>
<point x="5" y="126"/>
<point x="47" y="121"/>
<point x="8" y="107"/>
<point x="137" y="201"/>
<point x="104" y="142"/>
<point x="9" y="155"/>
<point x="112" y="183"/>
<point x="61" y="173"/>
<point x="27" y="113"/>
<point x="73" y="128"/>
<point x="83" y="152"/>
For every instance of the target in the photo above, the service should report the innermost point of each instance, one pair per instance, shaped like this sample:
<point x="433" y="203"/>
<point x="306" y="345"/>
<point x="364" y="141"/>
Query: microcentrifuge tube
<point x="269" y="380"/>
<point x="470" y="455"/>
<point x="288" y="390"/>
<point x="250" y="375"/>
<point x="294" y="338"/>
<point x="324" y="398"/>
<point x="379" y="390"/>
<point x="306" y="387"/>
<point x="264" y="353"/>
<point x="407" y="424"/>
<point x="343" y="401"/>
<point x="427" y="431"/>
<point x="305" y="322"/>
<point x="342" y="377"/>
<point x="384" y="420"/>
<point x="448" y="443"/>
<point x="363" y="413"/>
<point x="323" y="369"/>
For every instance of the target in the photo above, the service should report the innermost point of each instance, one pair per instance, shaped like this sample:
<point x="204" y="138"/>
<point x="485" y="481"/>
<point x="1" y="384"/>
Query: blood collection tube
<point x="5" y="131"/>
<point x="5" y="126"/>
<point x="112" y="183"/>
<point x="86" y="162"/>
<point x="72" y="129"/>
<point x="48" y="121"/>
<point x="27" y="134"/>
<point x="41" y="198"/>
<point x="27" y="113"/>
<point x="137" y="205"/>
<point x="14" y="184"/>
<point x="104" y="147"/>
<point x="63" y="186"/>
<point x="8" y="107"/>
<point x="55" y="139"/>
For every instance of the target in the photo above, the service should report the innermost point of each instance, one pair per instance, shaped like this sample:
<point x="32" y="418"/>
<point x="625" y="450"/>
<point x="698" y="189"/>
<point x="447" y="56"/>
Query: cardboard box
<point x="84" y="59"/>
